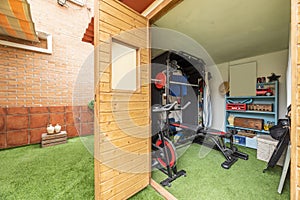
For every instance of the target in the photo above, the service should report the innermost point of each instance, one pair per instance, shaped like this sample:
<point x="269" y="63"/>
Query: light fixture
<point x="61" y="2"/>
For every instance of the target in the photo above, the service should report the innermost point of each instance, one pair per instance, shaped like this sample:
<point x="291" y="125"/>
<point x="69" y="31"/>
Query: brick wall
<point x="25" y="125"/>
<point x="37" y="88"/>
<point x="35" y="79"/>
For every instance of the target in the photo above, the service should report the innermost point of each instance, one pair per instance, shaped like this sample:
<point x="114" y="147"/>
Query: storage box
<point x="265" y="148"/>
<point x="260" y="107"/>
<point x="236" y="106"/>
<point x="249" y="123"/>
<point x="241" y="140"/>
<point x="251" y="142"/>
<point x="249" y="134"/>
<point x="54" y="139"/>
<point x="245" y="141"/>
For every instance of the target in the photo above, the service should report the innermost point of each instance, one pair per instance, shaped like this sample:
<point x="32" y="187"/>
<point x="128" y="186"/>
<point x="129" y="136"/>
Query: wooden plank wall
<point x="122" y="139"/>
<point x="295" y="128"/>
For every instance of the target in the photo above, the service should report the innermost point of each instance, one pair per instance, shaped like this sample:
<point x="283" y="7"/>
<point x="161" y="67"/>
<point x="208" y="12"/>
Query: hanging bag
<point x="278" y="131"/>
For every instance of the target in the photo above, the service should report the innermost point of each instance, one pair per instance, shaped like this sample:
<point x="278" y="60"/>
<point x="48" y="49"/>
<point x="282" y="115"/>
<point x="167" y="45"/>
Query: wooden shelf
<point x="248" y="129"/>
<point x="251" y="97"/>
<point x="252" y="111"/>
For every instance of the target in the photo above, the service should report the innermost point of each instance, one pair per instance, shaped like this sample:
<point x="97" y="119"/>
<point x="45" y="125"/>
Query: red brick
<point x="17" y="138"/>
<point x="69" y="108"/>
<point x="72" y="130"/>
<point x="3" y="111"/>
<point x="86" y="117"/>
<point x="16" y="122"/>
<point x="36" y="134"/>
<point x="87" y="129"/>
<point x="2" y="123"/>
<point x="17" y="110"/>
<point x="72" y="118"/>
<point x="39" y="120"/>
<point x="84" y="108"/>
<point x="57" y="118"/>
<point x="63" y="127"/>
<point x="56" y="109"/>
<point x="38" y="110"/>
<point x="2" y="140"/>
<point x="72" y="108"/>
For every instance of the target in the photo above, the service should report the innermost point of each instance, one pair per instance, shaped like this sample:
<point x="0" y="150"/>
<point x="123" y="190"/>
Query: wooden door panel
<point x="122" y="138"/>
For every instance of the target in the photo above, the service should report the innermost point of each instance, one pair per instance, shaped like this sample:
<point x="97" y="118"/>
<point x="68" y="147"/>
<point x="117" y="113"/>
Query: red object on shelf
<point x="236" y="106"/>
<point x="264" y="92"/>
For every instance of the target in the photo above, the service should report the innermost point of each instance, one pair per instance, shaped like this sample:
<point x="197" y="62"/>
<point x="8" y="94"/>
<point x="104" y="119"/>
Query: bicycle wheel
<point x="171" y="153"/>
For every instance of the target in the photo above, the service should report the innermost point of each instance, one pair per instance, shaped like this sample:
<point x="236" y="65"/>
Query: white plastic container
<point x="265" y="148"/>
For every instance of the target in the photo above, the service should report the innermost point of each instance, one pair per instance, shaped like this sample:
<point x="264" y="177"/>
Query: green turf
<point x="207" y="180"/>
<point x="59" y="172"/>
<point x="67" y="172"/>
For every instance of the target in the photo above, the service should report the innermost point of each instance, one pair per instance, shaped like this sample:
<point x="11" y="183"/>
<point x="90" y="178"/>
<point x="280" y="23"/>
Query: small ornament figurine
<point x="57" y="128"/>
<point x="230" y="120"/>
<point x="273" y="77"/>
<point x="50" y="129"/>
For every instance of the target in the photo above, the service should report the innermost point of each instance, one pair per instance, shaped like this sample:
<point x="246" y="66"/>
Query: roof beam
<point x="151" y="7"/>
<point x="159" y="8"/>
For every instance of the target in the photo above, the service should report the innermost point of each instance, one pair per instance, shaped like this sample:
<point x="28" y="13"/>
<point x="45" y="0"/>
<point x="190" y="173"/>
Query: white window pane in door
<point x="124" y="71"/>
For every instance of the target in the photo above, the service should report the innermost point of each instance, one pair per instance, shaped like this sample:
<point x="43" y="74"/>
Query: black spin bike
<point x="164" y="154"/>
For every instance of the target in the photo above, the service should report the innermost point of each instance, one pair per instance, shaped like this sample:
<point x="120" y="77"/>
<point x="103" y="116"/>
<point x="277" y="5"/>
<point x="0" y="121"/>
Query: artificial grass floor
<point x="59" y="172"/>
<point x="67" y="172"/>
<point x="206" y="179"/>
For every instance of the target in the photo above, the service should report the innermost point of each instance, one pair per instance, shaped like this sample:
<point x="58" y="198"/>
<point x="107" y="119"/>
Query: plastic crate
<point x="240" y="140"/>
<point x="251" y="142"/>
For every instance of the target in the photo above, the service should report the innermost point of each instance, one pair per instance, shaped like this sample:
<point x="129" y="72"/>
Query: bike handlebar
<point x="168" y="107"/>
<point x="186" y="105"/>
<point x="165" y="107"/>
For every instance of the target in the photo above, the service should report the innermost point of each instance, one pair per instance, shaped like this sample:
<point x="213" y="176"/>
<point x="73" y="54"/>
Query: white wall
<point x="275" y="62"/>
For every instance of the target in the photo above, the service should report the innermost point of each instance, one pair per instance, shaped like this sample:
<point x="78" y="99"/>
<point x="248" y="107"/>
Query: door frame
<point x="294" y="179"/>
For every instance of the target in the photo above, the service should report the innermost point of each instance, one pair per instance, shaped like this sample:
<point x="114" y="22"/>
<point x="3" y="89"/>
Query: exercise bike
<point x="164" y="154"/>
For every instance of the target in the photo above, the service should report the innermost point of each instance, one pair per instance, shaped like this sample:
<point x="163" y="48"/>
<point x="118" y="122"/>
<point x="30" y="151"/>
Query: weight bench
<point x="212" y="138"/>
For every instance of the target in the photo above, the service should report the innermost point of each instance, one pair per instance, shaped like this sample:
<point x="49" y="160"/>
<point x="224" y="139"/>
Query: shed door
<point x="122" y="130"/>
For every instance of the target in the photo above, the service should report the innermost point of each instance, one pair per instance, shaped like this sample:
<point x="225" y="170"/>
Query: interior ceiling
<point x="233" y="29"/>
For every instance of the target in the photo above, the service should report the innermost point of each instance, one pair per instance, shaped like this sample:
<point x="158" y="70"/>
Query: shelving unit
<point x="267" y="116"/>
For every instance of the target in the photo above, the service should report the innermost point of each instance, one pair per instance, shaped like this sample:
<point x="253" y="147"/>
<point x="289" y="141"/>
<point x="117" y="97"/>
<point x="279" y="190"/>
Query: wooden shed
<point x="295" y="140"/>
<point x="122" y="133"/>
